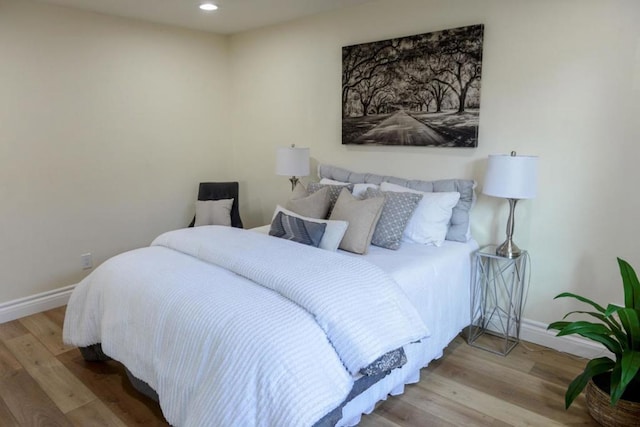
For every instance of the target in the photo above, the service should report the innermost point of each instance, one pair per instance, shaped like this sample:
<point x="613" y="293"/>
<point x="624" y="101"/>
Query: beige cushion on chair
<point x="362" y="216"/>
<point x="213" y="212"/>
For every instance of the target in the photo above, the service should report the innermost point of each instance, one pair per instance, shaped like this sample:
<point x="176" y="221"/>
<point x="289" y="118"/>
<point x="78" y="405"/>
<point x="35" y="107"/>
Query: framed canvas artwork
<point x="421" y="90"/>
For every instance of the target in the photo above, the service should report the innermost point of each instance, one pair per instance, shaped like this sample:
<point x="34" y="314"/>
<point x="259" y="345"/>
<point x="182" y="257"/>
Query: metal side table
<point x="497" y="285"/>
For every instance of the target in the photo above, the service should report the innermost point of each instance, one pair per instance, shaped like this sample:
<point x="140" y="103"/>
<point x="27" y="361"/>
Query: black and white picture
<point x="421" y="90"/>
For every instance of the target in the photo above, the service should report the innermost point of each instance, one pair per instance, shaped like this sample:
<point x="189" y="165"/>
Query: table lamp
<point x="292" y="161"/>
<point x="511" y="177"/>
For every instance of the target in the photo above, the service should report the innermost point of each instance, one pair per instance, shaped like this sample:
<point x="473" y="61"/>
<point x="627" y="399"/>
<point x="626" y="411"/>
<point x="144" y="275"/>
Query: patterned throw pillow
<point x="296" y="229"/>
<point x="430" y="221"/>
<point x="334" y="192"/>
<point x="397" y="211"/>
<point x="333" y="234"/>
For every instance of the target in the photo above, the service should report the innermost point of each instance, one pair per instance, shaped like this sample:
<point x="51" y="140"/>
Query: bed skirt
<point x="94" y="353"/>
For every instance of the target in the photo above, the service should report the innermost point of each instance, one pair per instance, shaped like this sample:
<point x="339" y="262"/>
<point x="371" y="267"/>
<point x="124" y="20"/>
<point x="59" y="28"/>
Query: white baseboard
<point x="536" y="332"/>
<point x="27" y="306"/>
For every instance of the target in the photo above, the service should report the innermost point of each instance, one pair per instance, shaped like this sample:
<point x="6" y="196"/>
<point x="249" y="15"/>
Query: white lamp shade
<point x="292" y="161"/>
<point x="511" y="177"/>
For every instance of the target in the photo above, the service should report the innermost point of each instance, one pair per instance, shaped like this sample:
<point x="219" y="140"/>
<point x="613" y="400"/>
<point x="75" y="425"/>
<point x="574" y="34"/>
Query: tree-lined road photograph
<point x="421" y="90"/>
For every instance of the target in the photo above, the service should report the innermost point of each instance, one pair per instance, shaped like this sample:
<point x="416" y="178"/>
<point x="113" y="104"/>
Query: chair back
<point x="219" y="191"/>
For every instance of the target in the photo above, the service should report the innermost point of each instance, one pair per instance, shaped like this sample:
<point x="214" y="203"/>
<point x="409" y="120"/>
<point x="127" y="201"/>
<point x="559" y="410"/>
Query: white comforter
<point x="236" y="328"/>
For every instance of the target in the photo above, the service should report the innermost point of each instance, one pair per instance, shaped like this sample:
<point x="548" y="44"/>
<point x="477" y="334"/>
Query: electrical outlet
<point x="86" y="260"/>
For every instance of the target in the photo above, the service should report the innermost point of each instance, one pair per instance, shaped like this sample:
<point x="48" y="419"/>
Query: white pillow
<point x="332" y="234"/>
<point x="213" y="212"/>
<point x="430" y="221"/>
<point x="358" y="189"/>
<point x="327" y="181"/>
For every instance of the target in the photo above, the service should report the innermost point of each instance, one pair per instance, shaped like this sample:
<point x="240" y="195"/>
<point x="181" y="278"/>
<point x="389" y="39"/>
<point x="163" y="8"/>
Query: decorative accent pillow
<point x="385" y="363"/>
<point x="297" y="229"/>
<point x="334" y="192"/>
<point x="309" y="204"/>
<point x="358" y="189"/>
<point x="397" y="210"/>
<point x="213" y="212"/>
<point x="430" y="221"/>
<point x="332" y="234"/>
<point x="362" y="216"/>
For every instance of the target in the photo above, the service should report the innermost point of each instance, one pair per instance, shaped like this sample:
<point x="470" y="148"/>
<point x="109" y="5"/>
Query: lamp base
<point x="508" y="250"/>
<point x="294" y="181"/>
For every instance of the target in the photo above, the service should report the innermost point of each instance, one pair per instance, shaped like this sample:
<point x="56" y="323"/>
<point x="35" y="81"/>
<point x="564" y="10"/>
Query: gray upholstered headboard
<point x="459" y="227"/>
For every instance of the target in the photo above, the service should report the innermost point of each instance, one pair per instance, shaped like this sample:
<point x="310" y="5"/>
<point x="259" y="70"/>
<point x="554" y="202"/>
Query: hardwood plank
<point x="449" y="410"/>
<point x="8" y="363"/>
<point x="486" y="403"/>
<point x="56" y="315"/>
<point x="375" y="420"/>
<point x="94" y="414"/>
<point x="516" y="359"/>
<point x="110" y="384"/>
<point x="399" y="411"/>
<point x="561" y="375"/>
<point x="12" y="329"/>
<point x="510" y="385"/>
<point x="28" y="403"/>
<point x="55" y="380"/>
<point x="537" y="353"/>
<point x="6" y="417"/>
<point x="49" y="334"/>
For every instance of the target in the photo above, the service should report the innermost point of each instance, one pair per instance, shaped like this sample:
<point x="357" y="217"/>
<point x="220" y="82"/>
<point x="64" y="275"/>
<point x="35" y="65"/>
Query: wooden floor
<point x="44" y="383"/>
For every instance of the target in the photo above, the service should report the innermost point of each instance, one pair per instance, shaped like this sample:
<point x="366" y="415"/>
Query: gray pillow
<point x="362" y="216"/>
<point x="459" y="226"/>
<point x="312" y="205"/>
<point x="398" y="208"/>
<point x="334" y="192"/>
<point x="297" y="229"/>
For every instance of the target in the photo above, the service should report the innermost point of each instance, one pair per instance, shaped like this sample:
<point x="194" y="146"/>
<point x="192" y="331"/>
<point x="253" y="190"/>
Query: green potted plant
<point x="613" y="386"/>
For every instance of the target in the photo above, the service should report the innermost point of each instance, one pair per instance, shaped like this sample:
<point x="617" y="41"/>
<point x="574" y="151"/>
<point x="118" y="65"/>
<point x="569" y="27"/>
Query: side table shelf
<point x="497" y="285"/>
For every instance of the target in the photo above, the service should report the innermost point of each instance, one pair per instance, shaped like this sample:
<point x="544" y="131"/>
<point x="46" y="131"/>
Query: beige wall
<point x="106" y="127"/>
<point x="561" y="80"/>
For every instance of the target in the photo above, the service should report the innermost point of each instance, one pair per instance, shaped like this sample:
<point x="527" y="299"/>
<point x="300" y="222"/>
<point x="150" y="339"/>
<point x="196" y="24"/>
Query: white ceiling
<point x="232" y="16"/>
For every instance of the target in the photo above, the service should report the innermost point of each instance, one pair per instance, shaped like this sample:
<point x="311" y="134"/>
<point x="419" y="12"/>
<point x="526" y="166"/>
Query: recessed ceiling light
<point x="209" y="7"/>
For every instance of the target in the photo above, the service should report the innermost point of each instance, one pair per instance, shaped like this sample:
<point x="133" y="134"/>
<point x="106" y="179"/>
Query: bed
<point x="234" y="327"/>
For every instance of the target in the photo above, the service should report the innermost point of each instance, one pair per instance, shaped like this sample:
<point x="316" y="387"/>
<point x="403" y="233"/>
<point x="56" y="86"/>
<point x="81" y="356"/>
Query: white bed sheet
<point x="437" y="281"/>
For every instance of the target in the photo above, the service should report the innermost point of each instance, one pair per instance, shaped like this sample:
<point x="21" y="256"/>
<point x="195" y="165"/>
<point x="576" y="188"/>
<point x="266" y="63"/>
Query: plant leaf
<point x="594" y="367"/>
<point x="630" y="365"/>
<point x="630" y="319"/>
<point x="558" y="325"/>
<point x="594" y="331"/>
<point x="630" y="284"/>
<point x="611" y="309"/>
<point x="615" y="391"/>
<point x="584" y="326"/>
<point x="610" y="321"/>
<point x="612" y="345"/>
<point x="581" y="299"/>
